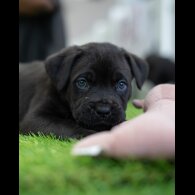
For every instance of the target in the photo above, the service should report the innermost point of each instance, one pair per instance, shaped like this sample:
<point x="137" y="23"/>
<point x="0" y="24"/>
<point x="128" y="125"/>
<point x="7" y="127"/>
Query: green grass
<point x="47" y="168"/>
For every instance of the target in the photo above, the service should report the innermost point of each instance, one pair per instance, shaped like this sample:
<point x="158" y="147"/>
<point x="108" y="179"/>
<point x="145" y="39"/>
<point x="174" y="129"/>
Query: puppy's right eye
<point x="81" y="83"/>
<point x="121" y="86"/>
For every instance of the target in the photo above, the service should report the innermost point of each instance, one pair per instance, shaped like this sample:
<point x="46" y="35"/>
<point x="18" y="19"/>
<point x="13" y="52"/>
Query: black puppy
<point x="78" y="91"/>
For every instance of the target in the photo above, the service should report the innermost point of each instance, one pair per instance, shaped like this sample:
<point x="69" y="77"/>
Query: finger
<point x="93" y="145"/>
<point x="149" y="136"/>
<point x="131" y="139"/>
<point x="138" y="103"/>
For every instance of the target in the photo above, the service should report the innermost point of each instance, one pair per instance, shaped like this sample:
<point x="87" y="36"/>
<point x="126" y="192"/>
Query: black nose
<point x="103" y="109"/>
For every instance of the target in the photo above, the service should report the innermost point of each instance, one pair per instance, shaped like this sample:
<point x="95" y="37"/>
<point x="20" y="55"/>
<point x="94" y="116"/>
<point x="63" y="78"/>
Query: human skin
<point x="150" y="135"/>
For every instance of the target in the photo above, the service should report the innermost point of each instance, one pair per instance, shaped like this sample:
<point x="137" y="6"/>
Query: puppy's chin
<point x="98" y="126"/>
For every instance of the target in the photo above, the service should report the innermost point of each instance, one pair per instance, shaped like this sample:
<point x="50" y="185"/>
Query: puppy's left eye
<point x="121" y="85"/>
<point x="81" y="83"/>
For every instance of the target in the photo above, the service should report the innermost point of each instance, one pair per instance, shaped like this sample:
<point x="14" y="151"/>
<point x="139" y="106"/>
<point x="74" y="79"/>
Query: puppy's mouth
<point x="88" y="118"/>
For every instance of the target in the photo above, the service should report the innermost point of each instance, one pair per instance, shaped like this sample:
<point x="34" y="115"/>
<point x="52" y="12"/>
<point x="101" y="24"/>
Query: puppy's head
<point x="95" y="80"/>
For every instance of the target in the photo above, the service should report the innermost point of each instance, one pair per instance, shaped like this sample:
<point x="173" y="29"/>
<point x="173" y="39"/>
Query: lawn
<point x="46" y="167"/>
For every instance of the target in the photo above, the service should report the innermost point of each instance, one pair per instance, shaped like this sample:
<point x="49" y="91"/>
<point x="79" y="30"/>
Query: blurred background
<point x="140" y="26"/>
<point x="143" y="27"/>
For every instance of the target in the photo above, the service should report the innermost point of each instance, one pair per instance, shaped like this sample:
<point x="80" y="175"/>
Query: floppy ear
<point x="59" y="65"/>
<point x="138" y="67"/>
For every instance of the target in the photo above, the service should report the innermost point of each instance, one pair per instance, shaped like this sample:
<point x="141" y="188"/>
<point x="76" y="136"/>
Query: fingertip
<point x="92" y="145"/>
<point x="138" y="103"/>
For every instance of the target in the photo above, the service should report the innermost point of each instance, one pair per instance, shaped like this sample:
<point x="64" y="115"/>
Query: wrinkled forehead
<point x="102" y="65"/>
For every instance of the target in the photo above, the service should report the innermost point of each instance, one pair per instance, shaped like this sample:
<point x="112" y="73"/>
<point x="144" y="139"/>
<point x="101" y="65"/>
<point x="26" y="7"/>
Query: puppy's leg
<point x="58" y="127"/>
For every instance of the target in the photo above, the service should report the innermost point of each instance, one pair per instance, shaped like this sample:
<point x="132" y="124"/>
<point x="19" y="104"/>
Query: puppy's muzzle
<point x="102" y="110"/>
<point x="99" y="115"/>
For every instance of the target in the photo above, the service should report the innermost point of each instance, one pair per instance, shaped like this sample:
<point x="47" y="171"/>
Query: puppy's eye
<point x="81" y="83"/>
<point x="121" y="85"/>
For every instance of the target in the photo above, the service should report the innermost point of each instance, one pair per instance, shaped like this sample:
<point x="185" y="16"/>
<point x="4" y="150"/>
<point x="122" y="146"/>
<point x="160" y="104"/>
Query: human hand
<point x="150" y="135"/>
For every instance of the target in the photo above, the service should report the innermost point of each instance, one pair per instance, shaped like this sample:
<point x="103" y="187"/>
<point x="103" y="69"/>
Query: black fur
<point x="162" y="69"/>
<point x="52" y="100"/>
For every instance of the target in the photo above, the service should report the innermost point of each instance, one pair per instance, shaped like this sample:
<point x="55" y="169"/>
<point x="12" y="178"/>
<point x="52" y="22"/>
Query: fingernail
<point x="95" y="150"/>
